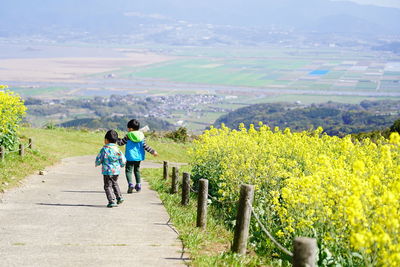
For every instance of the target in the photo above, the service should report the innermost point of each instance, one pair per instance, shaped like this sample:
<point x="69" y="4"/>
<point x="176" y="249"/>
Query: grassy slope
<point x="50" y="146"/>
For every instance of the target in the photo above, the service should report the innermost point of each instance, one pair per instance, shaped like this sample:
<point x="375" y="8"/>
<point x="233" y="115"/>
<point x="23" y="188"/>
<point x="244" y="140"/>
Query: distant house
<point x="145" y="129"/>
<point x="110" y="76"/>
<point x="117" y="115"/>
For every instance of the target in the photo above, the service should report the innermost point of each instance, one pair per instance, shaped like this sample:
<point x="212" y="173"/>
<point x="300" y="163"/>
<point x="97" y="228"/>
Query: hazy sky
<point x="390" y="3"/>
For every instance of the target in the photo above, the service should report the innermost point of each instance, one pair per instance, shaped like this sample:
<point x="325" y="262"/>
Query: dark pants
<point x="111" y="187"/>
<point x="132" y="166"/>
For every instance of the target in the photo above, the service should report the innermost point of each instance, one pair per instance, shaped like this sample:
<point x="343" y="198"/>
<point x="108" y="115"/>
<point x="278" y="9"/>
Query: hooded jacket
<point x="111" y="159"/>
<point x="135" y="146"/>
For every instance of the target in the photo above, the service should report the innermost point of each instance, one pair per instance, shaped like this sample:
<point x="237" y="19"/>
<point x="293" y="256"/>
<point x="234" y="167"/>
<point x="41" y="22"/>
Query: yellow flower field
<point x="12" y="109"/>
<point x="344" y="193"/>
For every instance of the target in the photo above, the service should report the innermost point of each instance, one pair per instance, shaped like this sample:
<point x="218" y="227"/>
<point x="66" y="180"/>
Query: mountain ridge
<point x="105" y="16"/>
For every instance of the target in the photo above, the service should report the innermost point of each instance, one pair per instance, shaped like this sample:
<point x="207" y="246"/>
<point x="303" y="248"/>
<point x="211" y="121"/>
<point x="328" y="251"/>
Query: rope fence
<point x="263" y="227"/>
<point x="305" y="250"/>
<point x="282" y="248"/>
<point x="20" y="150"/>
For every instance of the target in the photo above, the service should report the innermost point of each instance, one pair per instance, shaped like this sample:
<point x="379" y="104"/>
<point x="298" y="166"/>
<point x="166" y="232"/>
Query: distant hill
<point x="118" y="123"/>
<point x="336" y="119"/>
<point x="393" y="47"/>
<point x="125" y="16"/>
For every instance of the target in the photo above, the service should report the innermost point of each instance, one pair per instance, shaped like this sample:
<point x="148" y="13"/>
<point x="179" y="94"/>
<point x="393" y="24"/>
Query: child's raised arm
<point x="123" y="141"/>
<point x="149" y="149"/>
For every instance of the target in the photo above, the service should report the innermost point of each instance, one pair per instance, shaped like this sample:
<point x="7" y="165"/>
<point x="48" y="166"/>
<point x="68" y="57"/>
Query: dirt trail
<point x="61" y="219"/>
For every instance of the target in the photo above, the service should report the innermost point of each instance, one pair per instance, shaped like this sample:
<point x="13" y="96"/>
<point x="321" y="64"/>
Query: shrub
<point x="12" y="110"/>
<point x="179" y="135"/>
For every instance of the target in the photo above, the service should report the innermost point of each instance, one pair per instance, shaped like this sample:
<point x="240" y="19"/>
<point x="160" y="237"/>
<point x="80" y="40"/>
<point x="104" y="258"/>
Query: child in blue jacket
<point x="135" y="153"/>
<point x="111" y="159"/>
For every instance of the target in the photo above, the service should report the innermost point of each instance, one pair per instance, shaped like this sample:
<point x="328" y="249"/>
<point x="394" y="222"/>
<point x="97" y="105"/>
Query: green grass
<point x="62" y="143"/>
<point x="14" y="167"/>
<point x="52" y="145"/>
<point x="168" y="150"/>
<point x="207" y="248"/>
<point x="49" y="147"/>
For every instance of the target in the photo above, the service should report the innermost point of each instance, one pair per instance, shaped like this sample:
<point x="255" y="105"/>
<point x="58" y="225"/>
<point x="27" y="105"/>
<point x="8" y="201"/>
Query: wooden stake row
<point x="305" y="250"/>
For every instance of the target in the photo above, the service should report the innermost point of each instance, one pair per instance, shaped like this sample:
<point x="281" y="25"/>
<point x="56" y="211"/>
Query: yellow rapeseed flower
<point x="344" y="193"/>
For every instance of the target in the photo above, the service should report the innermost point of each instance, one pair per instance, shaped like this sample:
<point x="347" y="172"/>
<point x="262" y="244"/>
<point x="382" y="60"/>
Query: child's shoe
<point x="120" y="200"/>
<point x="138" y="187"/>
<point x="130" y="189"/>
<point x="112" y="205"/>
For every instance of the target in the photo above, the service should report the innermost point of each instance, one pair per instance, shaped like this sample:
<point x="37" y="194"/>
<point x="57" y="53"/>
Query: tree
<point x="396" y="126"/>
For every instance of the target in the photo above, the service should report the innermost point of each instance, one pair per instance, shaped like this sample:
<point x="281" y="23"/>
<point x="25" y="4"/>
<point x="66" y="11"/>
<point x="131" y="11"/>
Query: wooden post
<point x="165" y="165"/>
<point x="305" y="252"/>
<point x="202" y="199"/>
<point x="174" y="185"/>
<point x="21" y="150"/>
<point x="2" y="153"/>
<point x="30" y="144"/>
<point x="185" y="189"/>
<point x="243" y="219"/>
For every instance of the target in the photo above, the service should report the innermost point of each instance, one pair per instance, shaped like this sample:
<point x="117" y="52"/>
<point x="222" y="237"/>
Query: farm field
<point x="280" y="74"/>
<point x="269" y="69"/>
<point x="241" y="76"/>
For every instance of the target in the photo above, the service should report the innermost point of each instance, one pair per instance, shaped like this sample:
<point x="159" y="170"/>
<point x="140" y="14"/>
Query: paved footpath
<point x="61" y="219"/>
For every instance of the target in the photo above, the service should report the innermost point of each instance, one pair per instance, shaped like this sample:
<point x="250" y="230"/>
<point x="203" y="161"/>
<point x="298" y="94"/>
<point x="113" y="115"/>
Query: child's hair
<point x="134" y="124"/>
<point x="111" y="136"/>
